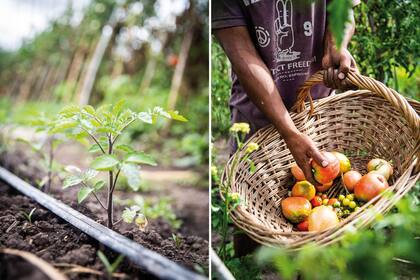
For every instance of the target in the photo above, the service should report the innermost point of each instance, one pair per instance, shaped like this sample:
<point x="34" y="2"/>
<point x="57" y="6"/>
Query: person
<point x="273" y="47"/>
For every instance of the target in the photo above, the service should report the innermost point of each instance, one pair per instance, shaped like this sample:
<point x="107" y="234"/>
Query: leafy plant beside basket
<point x="103" y="128"/>
<point x="231" y="200"/>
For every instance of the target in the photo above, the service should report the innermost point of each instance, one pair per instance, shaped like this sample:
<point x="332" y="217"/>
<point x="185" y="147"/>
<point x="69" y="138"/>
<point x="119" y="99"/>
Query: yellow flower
<point x="252" y="147"/>
<point x="234" y="197"/>
<point x="240" y="127"/>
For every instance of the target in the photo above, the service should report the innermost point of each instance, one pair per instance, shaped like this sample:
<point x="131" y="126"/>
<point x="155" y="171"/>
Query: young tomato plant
<point x="45" y="147"/>
<point x="104" y="127"/>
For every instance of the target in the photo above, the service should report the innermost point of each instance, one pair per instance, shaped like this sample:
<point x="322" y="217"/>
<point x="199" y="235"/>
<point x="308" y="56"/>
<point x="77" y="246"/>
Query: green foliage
<point x="152" y="209"/>
<point x="44" y="146"/>
<point x="386" y="38"/>
<point x="339" y="11"/>
<point x="388" y="249"/>
<point x="220" y="91"/>
<point x="222" y="209"/>
<point x="177" y="239"/>
<point x="244" y="268"/>
<point x="134" y="214"/>
<point x="110" y="267"/>
<point x="28" y="216"/>
<point x="104" y="126"/>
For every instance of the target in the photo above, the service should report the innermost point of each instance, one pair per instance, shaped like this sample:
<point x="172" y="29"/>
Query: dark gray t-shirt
<point x="288" y="35"/>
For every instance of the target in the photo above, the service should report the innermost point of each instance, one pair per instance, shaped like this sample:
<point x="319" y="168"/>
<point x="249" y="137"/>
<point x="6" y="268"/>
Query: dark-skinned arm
<point x="256" y="80"/>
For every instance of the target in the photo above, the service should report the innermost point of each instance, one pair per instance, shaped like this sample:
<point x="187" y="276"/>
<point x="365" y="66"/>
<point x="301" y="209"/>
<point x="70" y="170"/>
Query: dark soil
<point x="55" y="241"/>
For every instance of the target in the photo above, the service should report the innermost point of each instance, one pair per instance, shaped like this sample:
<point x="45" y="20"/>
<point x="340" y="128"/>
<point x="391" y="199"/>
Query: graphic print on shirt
<point x="285" y="37"/>
<point x="263" y="36"/>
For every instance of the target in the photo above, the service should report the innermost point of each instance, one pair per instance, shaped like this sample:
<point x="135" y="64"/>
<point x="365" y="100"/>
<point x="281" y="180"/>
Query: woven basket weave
<point x="374" y="121"/>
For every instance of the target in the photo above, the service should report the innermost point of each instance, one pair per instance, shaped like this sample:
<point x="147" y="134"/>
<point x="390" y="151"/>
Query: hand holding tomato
<point x="304" y="150"/>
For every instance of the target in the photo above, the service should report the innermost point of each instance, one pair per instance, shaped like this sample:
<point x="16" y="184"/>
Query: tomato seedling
<point x="45" y="147"/>
<point x="104" y="127"/>
<point x="28" y="216"/>
<point x="110" y="267"/>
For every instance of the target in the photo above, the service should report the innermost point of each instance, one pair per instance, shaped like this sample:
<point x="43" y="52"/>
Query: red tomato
<point x="316" y="201"/>
<point x="303" y="226"/>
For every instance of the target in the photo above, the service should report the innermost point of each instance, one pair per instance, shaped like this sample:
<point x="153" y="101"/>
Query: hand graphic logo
<point x="283" y="26"/>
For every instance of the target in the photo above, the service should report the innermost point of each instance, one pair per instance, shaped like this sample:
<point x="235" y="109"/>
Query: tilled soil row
<point x="56" y="241"/>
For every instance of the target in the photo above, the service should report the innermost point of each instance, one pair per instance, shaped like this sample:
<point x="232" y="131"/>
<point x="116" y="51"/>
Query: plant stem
<point x="115" y="180"/>
<point x="100" y="202"/>
<point x="110" y="187"/>
<point x="125" y="126"/>
<point x="96" y="140"/>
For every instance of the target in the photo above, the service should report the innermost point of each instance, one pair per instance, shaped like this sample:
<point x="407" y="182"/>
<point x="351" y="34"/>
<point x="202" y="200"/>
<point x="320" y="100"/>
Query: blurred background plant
<point x="100" y="51"/>
<point x="386" y="48"/>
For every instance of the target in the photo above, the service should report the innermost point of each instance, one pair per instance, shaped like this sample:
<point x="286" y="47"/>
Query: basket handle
<point x="362" y="82"/>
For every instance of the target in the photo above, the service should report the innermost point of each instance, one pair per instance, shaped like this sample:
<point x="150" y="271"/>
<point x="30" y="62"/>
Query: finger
<point x="344" y="68"/>
<point x="336" y="80"/>
<point x="330" y="77"/>
<point x="318" y="157"/>
<point x="307" y="170"/>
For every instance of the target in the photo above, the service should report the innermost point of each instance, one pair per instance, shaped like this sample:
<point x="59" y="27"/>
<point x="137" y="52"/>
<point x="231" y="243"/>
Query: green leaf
<point x="71" y="180"/>
<point x="158" y="111"/>
<point x="72" y="169"/>
<point x="116" y="110"/>
<point x="176" y="116"/>
<point x="339" y="11"/>
<point x="94" y="148"/>
<point x="145" y="117"/>
<point x="107" y="129"/>
<point x="129" y="214"/>
<point x="104" y="163"/>
<point x="105" y="261"/>
<point x="83" y="193"/>
<point x="124" y="148"/>
<point x="87" y="124"/>
<point x="116" y="263"/>
<point x="89" y="109"/>
<point x="140" y="158"/>
<point x="69" y="110"/>
<point x="64" y="125"/>
<point x="99" y="185"/>
<point x="131" y="172"/>
<point x="89" y="174"/>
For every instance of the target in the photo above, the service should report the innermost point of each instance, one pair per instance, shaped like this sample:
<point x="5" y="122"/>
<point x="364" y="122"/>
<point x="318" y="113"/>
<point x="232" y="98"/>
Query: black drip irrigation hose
<point x="146" y="259"/>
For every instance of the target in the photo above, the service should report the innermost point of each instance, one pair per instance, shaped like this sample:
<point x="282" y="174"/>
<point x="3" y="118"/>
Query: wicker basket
<point x="373" y="122"/>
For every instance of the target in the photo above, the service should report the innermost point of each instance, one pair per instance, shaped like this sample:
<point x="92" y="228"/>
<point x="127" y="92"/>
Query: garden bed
<point x="56" y="241"/>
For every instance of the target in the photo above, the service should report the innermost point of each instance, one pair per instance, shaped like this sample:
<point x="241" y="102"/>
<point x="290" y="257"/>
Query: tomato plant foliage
<point x="102" y="127"/>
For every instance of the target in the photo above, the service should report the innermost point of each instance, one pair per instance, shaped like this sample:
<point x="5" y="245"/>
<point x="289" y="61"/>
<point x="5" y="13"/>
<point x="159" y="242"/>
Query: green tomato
<point x="356" y="209"/>
<point x="352" y="204"/>
<point x="337" y="204"/>
<point x="350" y="196"/>
<point x="341" y="197"/>
<point x="346" y="202"/>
